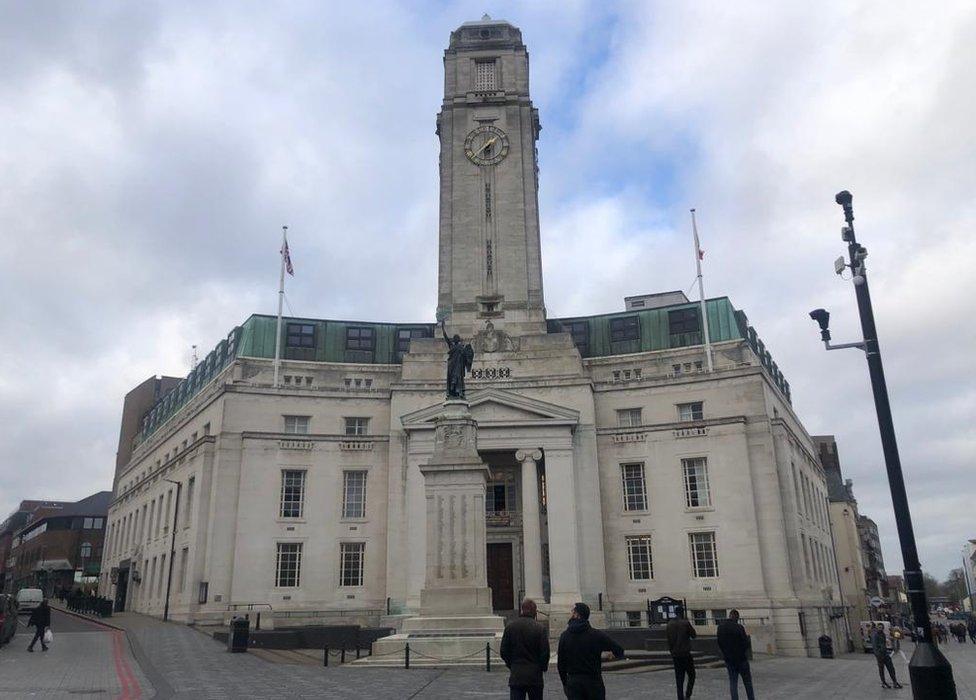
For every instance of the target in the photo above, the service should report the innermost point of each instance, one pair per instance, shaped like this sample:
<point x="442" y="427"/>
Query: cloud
<point x="150" y="153"/>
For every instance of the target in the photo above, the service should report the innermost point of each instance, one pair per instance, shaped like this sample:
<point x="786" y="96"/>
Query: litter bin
<point x="239" y="632"/>
<point x="826" y="647"/>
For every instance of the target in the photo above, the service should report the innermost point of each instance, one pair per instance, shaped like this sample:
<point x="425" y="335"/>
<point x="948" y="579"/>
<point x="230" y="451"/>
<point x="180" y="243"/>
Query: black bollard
<point x="488" y="657"/>
<point x="342" y="656"/>
<point x="325" y="660"/>
<point x="406" y="656"/>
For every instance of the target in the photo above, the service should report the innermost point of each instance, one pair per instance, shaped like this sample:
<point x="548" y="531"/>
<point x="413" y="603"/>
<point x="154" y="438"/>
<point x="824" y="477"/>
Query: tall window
<point x="184" y="557"/>
<point x="629" y="417"/>
<point x="580" y="332"/>
<point x="697" y="493"/>
<point x="292" y="493"/>
<point x="288" y="568"/>
<point x="354" y="494"/>
<point x="359" y="338"/>
<point x="635" y="492"/>
<point x="484" y="75"/>
<point x="86" y="550"/>
<point x="162" y="575"/>
<point x="690" y="411"/>
<point x="352" y="560"/>
<point x="356" y="426"/>
<point x="639" y="557"/>
<point x="704" y="558"/>
<point x="300" y="335"/>
<point x="188" y="512"/>
<point x="296" y="425"/>
<point x="624" y="328"/>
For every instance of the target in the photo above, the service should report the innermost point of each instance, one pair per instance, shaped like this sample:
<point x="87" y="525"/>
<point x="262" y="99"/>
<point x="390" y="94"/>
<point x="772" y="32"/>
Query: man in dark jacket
<point x="579" y="656"/>
<point x="40" y="618"/>
<point x="680" y="633"/>
<point x="525" y="651"/>
<point x="879" y="645"/>
<point x="734" y="643"/>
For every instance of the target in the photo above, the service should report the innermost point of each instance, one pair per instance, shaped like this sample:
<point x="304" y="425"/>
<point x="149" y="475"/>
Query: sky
<point x="150" y="153"/>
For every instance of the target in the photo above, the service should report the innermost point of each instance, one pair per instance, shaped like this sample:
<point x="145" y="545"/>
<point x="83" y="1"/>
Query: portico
<point x="528" y="446"/>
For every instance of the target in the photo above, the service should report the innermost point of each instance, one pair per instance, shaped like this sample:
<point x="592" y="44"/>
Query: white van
<point x="29" y="598"/>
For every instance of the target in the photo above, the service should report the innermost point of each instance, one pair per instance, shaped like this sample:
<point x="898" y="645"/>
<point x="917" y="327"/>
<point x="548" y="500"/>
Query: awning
<point x="54" y="565"/>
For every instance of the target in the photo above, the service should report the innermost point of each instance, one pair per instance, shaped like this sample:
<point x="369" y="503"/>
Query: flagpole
<point x="701" y="293"/>
<point x="281" y="299"/>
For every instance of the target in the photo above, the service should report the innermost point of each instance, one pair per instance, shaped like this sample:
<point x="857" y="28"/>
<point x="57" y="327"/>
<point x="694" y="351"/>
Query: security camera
<point x="844" y="198"/>
<point x="839" y="265"/>
<point x="822" y="317"/>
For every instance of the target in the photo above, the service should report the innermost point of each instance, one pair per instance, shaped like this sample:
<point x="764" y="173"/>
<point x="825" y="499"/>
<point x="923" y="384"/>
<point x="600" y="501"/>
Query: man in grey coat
<point x="525" y="651"/>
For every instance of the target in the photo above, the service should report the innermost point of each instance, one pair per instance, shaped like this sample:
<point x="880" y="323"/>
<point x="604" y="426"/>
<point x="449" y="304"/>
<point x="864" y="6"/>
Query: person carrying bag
<point x="40" y="618"/>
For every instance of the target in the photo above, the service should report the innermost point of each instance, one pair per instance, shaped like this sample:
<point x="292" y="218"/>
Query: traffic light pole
<point x="930" y="671"/>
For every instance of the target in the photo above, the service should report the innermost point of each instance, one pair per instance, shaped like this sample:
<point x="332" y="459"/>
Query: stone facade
<point x="613" y="478"/>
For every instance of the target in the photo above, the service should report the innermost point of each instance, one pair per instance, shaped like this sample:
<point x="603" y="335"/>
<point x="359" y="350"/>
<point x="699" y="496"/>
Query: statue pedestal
<point x="456" y="617"/>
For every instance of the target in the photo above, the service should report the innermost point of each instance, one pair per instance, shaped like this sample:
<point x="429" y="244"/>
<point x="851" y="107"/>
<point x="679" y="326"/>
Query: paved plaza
<point x="155" y="659"/>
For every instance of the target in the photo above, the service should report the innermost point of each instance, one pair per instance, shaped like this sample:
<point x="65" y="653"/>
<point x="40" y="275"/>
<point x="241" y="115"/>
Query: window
<point x="639" y="557"/>
<point x="354" y="494"/>
<point x="635" y="493"/>
<point x="300" y="335"/>
<point x="697" y="493"/>
<point x="580" y="332"/>
<point x="629" y="417"/>
<point x="351" y="563"/>
<point x="484" y="75"/>
<point x="704" y="559"/>
<point x="86" y="524"/>
<point x="699" y="618"/>
<point x="184" y="557"/>
<point x="690" y="411"/>
<point x="633" y="618"/>
<point x="719" y="615"/>
<point x="288" y="568"/>
<point x="624" y="328"/>
<point x="683" y="321"/>
<point x="497" y="497"/>
<point x="86" y="550"/>
<point x="296" y="425"/>
<point x="359" y="338"/>
<point x="357" y="426"/>
<point x="292" y="493"/>
<point x="405" y="335"/>
<point x="162" y="575"/>
<point x="188" y="511"/>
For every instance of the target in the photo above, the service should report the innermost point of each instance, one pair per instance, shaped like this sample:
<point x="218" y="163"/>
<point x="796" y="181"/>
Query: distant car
<point x="29" y="598"/>
<point x="8" y="617"/>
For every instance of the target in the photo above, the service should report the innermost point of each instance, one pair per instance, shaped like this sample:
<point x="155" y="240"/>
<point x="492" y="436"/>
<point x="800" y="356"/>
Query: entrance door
<point x="500" y="579"/>
<point x="121" y="586"/>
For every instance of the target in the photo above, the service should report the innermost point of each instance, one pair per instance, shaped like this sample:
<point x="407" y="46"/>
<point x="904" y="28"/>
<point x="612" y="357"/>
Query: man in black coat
<point x="680" y="632"/>
<point x="734" y="643"/>
<point x="580" y="651"/>
<point x="40" y="618"/>
<point x="525" y="651"/>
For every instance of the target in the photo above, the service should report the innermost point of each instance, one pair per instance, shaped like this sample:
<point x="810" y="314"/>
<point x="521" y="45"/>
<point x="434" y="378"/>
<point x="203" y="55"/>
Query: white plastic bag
<point x="48" y="637"/>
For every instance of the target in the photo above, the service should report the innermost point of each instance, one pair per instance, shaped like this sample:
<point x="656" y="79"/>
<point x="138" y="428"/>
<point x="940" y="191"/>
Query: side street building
<point x="623" y="467"/>
<point x="59" y="544"/>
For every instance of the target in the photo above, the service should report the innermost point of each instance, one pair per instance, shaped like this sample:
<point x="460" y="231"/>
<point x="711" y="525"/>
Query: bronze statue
<point x="460" y="357"/>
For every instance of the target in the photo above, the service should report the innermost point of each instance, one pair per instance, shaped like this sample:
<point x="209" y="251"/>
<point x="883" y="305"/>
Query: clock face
<point x="486" y="145"/>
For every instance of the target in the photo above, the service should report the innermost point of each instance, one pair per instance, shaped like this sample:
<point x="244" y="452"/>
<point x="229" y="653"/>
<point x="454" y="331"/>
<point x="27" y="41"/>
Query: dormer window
<point x="485" y="75"/>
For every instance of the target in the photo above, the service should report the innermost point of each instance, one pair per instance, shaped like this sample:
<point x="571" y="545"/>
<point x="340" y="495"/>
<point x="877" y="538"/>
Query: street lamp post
<point x="172" y="546"/>
<point x="930" y="671"/>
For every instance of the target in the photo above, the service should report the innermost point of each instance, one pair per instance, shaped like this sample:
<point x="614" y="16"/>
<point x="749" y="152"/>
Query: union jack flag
<point x="287" y="258"/>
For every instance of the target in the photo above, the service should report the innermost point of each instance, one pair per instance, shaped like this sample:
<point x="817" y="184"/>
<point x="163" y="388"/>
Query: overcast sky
<point x="150" y="152"/>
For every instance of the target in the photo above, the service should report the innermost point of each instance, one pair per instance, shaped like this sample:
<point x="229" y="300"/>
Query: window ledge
<point x="700" y="509"/>
<point x="291" y="521"/>
<point x="354" y="520"/>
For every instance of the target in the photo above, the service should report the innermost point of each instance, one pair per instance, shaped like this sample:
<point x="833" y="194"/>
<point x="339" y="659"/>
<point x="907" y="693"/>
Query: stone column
<point x="563" y="536"/>
<point x="531" y="526"/>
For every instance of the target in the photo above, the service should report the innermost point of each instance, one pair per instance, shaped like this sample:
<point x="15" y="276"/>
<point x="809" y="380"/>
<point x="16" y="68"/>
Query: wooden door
<point x="500" y="578"/>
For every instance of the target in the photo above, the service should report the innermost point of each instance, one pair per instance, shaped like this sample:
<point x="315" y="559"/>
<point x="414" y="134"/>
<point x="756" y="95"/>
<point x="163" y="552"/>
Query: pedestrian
<point x="880" y="647"/>
<point x="734" y="643"/>
<point x="579" y="656"/>
<point x="40" y="618"/>
<point x="525" y="651"/>
<point x="971" y="627"/>
<point x="680" y="633"/>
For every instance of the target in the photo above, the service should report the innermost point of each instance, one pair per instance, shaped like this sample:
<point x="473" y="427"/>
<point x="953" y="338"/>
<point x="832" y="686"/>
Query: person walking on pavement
<point x="525" y="651"/>
<point x="879" y="645"/>
<point x="680" y="632"/>
<point x="40" y="618"/>
<point x="579" y="656"/>
<point x="734" y="644"/>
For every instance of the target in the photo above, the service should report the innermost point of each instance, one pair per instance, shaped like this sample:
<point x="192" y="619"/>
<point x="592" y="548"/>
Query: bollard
<point x="406" y="656"/>
<point x="600" y="599"/>
<point x="357" y="651"/>
<point x="325" y="661"/>
<point x="342" y="656"/>
<point x="488" y="656"/>
<point x="257" y="622"/>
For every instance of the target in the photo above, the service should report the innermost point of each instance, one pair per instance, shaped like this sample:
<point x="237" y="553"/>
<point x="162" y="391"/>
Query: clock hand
<point x="485" y="145"/>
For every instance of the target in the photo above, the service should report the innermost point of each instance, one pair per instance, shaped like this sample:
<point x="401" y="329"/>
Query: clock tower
<point x="490" y="266"/>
